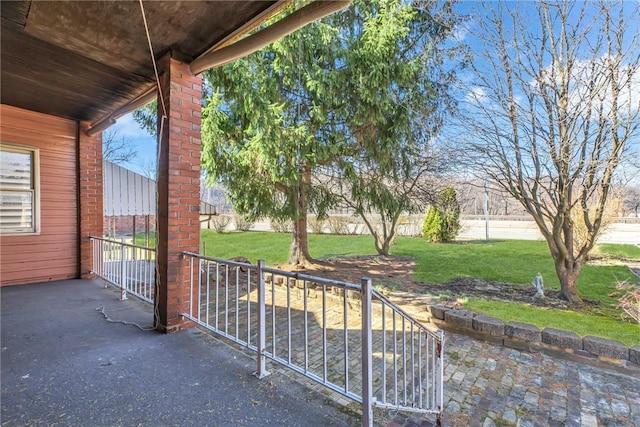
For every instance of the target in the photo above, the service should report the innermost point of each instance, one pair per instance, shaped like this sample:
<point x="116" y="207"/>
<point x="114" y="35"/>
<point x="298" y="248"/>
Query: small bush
<point x="338" y="225"/>
<point x="281" y="226"/>
<point x="432" y="225"/>
<point x="316" y="225"/>
<point x="220" y="223"/>
<point x="242" y="224"/>
<point x="442" y="223"/>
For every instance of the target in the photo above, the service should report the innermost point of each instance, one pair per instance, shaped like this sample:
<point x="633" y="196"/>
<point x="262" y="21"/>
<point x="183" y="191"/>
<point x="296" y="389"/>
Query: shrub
<point x="220" y="223"/>
<point x="442" y="223"/>
<point x="316" y="225"/>
<point x="338" y="225"/>
<point x="281" y="225"/>
<point x="432" y="225"/>
<point x="242" y="224"/>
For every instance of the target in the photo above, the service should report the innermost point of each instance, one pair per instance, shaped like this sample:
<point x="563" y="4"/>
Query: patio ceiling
<point x="86" y="60"/>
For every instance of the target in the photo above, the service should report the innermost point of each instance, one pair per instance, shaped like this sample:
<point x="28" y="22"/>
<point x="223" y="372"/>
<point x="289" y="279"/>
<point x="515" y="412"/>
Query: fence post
<point x="440" y="377"/>
<point x="367" y="356"/>
<point x="262" y="368"/>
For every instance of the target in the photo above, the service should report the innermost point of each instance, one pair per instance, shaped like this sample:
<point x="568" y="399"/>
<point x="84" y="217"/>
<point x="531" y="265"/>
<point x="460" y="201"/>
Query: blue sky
<point x="140" y="140"/>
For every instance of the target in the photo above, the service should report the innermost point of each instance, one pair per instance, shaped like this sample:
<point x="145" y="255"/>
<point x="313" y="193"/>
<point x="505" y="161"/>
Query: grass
<point x="513" y="261"/>
<point x="580" y="323"/>
<point x="274" y="247"/>
<point x="141" y="239"/>
<point x="625" y="252"/>
<point x="517" y="261"/>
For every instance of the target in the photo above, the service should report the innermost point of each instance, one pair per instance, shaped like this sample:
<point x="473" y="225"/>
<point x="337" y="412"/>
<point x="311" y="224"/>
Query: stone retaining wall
<point x="523" y="336"/>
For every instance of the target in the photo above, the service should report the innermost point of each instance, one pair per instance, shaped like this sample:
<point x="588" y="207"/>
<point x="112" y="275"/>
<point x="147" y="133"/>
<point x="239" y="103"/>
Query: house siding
<point x="53" y="254"/>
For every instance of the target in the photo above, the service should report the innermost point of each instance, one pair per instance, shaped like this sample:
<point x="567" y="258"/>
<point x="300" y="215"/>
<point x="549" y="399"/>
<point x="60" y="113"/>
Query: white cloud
<point x="128" y="128"/>
<point x="477" y="95"/>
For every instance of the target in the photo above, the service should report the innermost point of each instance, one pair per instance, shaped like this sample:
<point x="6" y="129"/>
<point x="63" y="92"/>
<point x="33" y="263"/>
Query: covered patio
<point x="69" y="70"/>
<point x="64" y="363"/>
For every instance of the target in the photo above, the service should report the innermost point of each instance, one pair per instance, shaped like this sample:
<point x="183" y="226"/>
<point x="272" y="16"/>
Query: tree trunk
<point x="568" y="276"/>
<point x="384" y="250"/>
<point x="299" y="253"/>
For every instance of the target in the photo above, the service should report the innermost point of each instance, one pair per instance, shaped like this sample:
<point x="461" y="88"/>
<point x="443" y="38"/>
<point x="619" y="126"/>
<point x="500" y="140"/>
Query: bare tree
<point x="116" y="148"/>
<point x="554" y="111"/>
<point x="631" y="199"/>
<point x="149" y="168"/>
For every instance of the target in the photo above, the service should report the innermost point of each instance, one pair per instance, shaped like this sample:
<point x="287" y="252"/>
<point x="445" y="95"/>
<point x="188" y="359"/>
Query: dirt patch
<point x="392" y="274"/>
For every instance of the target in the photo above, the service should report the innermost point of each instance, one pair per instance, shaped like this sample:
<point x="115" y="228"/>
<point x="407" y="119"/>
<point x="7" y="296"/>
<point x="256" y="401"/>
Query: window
<point x="19" y="198"/>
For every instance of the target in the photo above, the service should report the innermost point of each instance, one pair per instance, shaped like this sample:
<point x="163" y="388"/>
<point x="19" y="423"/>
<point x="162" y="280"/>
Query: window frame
<point x="34" y="152"/>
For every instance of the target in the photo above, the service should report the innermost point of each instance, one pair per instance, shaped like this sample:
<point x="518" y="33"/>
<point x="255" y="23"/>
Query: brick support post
<point x="90" y="196"/>
<point x="178" y="220"/>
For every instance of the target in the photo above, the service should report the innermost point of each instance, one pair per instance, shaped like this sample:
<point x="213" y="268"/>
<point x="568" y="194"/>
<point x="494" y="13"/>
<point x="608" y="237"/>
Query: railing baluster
<point x="217" y="298"/>
<point x="413" y="367"/>
<point x="395" y="359"/>
<point x="191" y="284"/>
<point x="306" y="332"/>
<point x="384" y="353"/>
<point x="404" y="362"/>
<point x="208" y="290"/>
<point x="273" y="317"/>
<point x="248" y="307"/>
<point x="226" y="298"/>
<point x="440" y="374"/>
<point x="288" y="318"/>
<point x="324" y="330"/>
<point x="238" y="270"/>
<point x="262" y="369"/>
<point x="420" y="367"/>
<point x="123" y="273"/>
<point x="367" y="356"/>
<point x="345" y="328"/>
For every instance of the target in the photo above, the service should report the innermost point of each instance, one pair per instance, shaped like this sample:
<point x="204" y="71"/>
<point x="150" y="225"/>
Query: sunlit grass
<point x="581" y="323"/>
<point x="274" y="247"/>
<point x="624" y="252"/>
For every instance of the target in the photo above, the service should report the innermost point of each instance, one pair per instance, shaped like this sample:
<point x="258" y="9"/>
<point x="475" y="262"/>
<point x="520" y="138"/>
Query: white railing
<point x="346" y="336"/>
<point x="129" y="267"/>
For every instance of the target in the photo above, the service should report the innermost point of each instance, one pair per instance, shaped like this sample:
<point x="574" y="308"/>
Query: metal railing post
<point x="262" y="368"/>
<point x="367" y="356"/>
<point x="123" y="272"/>
<point x="440" y="376"/>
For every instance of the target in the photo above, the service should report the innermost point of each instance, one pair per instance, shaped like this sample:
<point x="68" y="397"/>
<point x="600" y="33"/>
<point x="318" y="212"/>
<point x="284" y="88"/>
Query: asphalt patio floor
<point x="63" y="363"/>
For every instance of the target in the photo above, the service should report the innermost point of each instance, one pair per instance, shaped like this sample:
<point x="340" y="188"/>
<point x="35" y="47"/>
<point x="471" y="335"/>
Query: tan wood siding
<point x="53" y="254"/>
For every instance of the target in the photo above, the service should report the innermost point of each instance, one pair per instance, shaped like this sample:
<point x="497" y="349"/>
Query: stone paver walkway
<point x="488" y="385"/>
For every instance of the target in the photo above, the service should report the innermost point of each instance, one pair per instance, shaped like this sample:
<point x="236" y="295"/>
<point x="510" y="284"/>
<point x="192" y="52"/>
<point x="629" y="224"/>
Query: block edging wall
<point x="524" y="336"/>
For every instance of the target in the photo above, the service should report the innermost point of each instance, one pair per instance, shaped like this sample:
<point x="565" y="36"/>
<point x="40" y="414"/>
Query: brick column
<point x="178" y="220"/>
<point x="90" y="193"/>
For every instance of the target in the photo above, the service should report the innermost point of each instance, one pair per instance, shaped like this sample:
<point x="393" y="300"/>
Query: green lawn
<point x="628" y="252"/>
<point x="274" y="247"/>
<point x="514" y="261"/>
